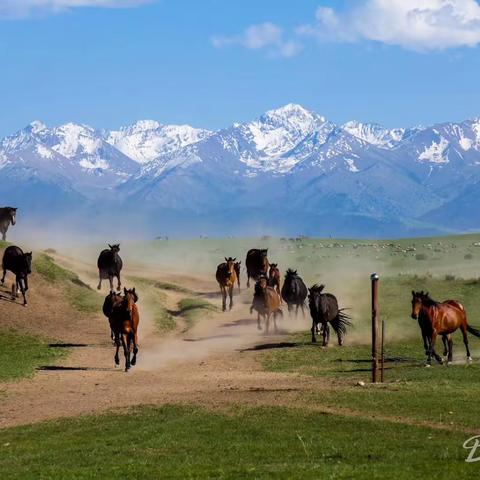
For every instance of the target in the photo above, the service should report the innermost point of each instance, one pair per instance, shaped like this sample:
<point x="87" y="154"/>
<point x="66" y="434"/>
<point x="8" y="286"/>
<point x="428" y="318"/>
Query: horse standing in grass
<point x="110" y="265"/>
<point x="226" y="277"/>
<point x="440" y="318"/>
<point x="266" y="302"/>
<point x="257" y="264"/>
<point x="294" y="291"/>
<point x="446" y="339"/>
<point x="8" y="215"/>
<point x="20" y="264"/>
<point x="324" y="311"/>
<point x="274" y="278"/>
<point x="238" y="266"/>
<point x="122" y="313"/>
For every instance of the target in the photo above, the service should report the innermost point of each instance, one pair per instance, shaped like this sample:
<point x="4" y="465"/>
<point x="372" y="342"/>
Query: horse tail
<point x="473" y="331"/>
<point x="341" y="322"/>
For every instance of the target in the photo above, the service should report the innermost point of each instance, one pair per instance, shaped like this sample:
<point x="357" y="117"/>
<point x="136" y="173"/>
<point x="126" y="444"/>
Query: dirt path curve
<point x="207" y="365"/>
<point x="204" y="365"/>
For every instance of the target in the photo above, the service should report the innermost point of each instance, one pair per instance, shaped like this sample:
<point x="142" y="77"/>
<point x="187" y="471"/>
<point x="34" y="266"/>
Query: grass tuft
<point x="21" y="354"/>
<point x="191" y="309"/>
<point x="80" y="295"/>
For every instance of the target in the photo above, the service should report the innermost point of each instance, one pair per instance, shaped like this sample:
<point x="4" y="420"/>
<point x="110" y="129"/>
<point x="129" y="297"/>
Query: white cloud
<point x="412" y="24"/>
<point x="267" y="36"/>
<point x="25" y="8"/>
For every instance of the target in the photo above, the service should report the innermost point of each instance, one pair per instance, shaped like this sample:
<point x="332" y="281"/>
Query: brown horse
<point x="274" y="278"/>
<point x="266" y="302"/>
<point x="256" y="263"/>
<point x="238" y="266"/>
<point x="124" y="319"/>
<point x="226" y="277"/>
<point x="440" y="318"/>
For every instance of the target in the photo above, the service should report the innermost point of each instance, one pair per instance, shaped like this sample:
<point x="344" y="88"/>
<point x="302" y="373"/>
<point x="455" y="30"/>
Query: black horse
<point x="324" y="310"/>
<point x="20" y="264"/>
<point x="8" y="215"/>
<point x="110" y="265"/>
<point x="294" y="291"/>
<point x="257" y="264"/>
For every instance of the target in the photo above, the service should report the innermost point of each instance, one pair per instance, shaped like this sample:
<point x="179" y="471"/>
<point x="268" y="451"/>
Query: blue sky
<point x="210" y="63"/>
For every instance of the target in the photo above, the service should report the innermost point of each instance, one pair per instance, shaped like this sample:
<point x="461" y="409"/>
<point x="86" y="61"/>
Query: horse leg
<point x="119" y="282"/>
<point x="325" y="334"/>
<point x="224" y="298"/>
<point x="445" y="345"/>
<point x="99" y="287"/>
<point x="248" y="280"/>
<point x="230" y="294"/>
<point x="313" y="329"/>
<point x="14" y="290"/>
<point x="126" y="352"/>
<point x="465" y="341"/>
<point x="259" y="326"/>
<point x="267" y="323"/>
<point x="3" y="278"/>
<point x="110" y="279"/>
<point x="303" y="309"/>
<point x="4" y="235"/>
<point x="23" y="289"/>
<point x="135" y="349"/>
<point x="275" y="322"/>
<point x="450" y="349"/>
<point x="431" y="351"/>
<point x="117" y="343"/>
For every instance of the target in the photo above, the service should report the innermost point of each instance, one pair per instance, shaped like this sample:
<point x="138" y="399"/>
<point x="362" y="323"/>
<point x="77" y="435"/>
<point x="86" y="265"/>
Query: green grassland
<point x="190" y="309"/>
<point x="21" y="354"/>
<point x="81" y="296"/>
<point x="189" y="442"/>
<point x="275" y="442"/>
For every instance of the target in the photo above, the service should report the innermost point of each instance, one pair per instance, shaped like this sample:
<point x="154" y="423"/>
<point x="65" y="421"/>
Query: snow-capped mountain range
<point x="288" y="171"/>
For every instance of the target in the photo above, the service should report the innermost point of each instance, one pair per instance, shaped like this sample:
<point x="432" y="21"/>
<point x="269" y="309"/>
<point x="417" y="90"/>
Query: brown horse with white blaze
<point x="226" y="277"/>
<point x="441" y="318"/>
<point x="124" y="319"/>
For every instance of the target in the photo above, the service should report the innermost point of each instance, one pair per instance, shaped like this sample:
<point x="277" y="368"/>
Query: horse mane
<point x="317" y="288"/>
<point x="429" y="302"/>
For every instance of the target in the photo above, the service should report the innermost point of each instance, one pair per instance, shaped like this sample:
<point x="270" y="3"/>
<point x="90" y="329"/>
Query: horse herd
<point x="268" y="295"/>
<point x="434" y="318"/>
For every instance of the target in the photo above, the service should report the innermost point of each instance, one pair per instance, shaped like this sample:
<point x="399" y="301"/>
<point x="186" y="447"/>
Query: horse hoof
<point x="134" y="362"/>
<point x="449" y="363"/>
<point x="469" y="359"/>
<point x="428" y="365"/>
<point x="99" y="287"/>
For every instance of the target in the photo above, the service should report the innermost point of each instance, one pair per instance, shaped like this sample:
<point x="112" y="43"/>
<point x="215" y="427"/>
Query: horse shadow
<point x="272" y="346"/>
<point x="61" y="368"/>
<point x="239" y="323"/>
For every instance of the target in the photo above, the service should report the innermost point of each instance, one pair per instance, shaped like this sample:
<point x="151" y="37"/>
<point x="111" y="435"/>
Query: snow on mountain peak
<point x="36" y="126"/>
<point x="71" y="139"/>
<point x="146" y="140"/>
<point x="374" y="133"/>
<point x="278" y="131"/>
